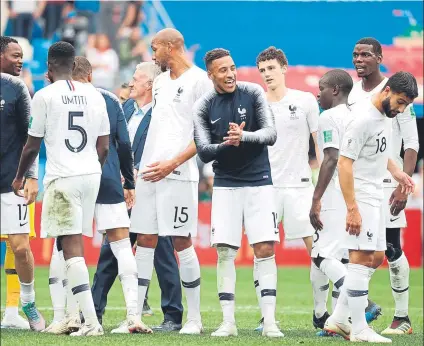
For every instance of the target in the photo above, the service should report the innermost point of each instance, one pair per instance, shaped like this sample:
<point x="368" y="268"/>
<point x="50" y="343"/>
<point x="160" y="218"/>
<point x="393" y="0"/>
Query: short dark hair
<point x="376" y="46"/>
<point x="61" y="55"/>
<point x="4" y="42"/>
<point x="82" y="68"/>
<point x="215" y="54"/>
<point x="403" y="82"/>
<point x="340" y="78"/>
<point x="272" y="53"/>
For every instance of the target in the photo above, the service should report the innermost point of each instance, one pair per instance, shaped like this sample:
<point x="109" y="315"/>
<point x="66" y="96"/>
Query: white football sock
<point x="320" y="288"/>
<point x="144" y="257"/>
<point x="11" y="311"/>
<point x="79" y="281"/>
<point x="267" y="269"/>
<point x="256" y="281"/>
<point x="71" y="302"/>
<point x="356" y="283"/>
<point x="190" y="279"/>
<point x="341" y="310"/>
<point x="336" y="272"/>
<point x="399" y="279"/>
<point x="56" y="285"/>
<point x="127" y="272"/>
<point x="27" y="292"/>
<point x="226" y="276"/>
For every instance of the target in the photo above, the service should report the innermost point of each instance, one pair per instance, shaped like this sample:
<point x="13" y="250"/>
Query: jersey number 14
<point x="73" y="127"/>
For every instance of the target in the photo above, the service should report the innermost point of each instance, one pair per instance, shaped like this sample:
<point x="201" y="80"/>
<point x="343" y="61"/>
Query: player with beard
<point x="367" y="57"/>
<point x="363" y="162"/>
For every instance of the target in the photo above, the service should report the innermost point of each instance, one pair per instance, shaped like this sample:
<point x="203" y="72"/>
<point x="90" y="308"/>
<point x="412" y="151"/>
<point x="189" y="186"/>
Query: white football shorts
<point x="252" y="207"/>
<point x="68" y="206"/>
<point x="293" y="205"/>
<point x="111" y="216"/>
<point x="168" y="207"/>
<point x="373" y="233"/>
<point x="14" y="214"/>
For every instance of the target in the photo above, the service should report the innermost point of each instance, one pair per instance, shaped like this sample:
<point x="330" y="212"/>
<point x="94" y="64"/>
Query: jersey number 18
<point x="73" y="127"/>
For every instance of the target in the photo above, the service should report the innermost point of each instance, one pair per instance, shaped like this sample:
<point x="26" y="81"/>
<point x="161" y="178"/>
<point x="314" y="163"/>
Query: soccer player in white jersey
<point x="327" y="212"/>
<point x="296" y="118"/>
<point x="367" y="56"/>
<point x="166" y="189"/>
<point x="72" y="119"/>
<point x="363" y="162"/>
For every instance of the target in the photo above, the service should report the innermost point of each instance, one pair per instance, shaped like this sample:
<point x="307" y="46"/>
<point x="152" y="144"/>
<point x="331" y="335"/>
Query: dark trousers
<point x="166" y="269"/>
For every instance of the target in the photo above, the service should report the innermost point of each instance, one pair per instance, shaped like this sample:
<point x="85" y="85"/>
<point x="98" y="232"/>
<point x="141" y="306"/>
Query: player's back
<point x="75" y="115"/>
<point x="331" y="129"/>
<point x="296" y="116"/>
<point x="14" y="112"/>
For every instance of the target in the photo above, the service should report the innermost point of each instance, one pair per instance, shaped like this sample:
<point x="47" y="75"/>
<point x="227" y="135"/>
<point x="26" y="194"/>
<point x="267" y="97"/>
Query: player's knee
<point x="318" y="260"/>
<point x="147" y="240"/>
<point x="263" y="250"/>
<point x="393" y="253"/>
<point x="181" y="243"/>
<point x="378" y="259"/>
<point x="22" y="252"/>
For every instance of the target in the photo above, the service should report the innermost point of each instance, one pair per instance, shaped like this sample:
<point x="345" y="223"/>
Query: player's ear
<point x="336" y="90"/>
<point x="210" y="74"/>
<point x="150" y="85"/>
<point x="284" y="69"/>
<point x="90" y="77"/>
<point x="379" y="58"/>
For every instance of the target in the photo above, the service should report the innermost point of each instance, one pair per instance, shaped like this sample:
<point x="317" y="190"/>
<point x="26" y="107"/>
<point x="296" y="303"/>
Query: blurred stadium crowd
<point x="110" y="34"/>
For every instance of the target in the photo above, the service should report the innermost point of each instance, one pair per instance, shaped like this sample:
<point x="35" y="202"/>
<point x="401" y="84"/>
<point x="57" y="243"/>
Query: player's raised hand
<point x="314" y="215"/>
<point x="234" y="134"/>
<point x="353" y="221"/>
<point x="129" y="197"/>
<point x="405" y="181"/>
<point x="30" y="190"/>
<point x="397" y="201"/>
<point x="158" y="170"/>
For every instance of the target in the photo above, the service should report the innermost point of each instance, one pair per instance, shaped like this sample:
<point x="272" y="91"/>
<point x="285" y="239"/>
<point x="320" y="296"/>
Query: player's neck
<point x="143" y="100"/>
<point x="275" y="95"/>
<point x="371" y="81"/>
<point x="64" y="76"/>
<point x="377" y="103"/>
<point x="339" y="101"/>
<point x="178" y="66"/>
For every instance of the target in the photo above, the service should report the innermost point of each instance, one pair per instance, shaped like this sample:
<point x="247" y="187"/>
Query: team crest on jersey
<point x="242" y="112"/>
<point x="293" y="112"/>
<point x="177" y="97"/>
<point x="2" y="102"/>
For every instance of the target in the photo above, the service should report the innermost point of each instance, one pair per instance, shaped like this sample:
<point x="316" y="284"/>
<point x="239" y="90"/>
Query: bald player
<point x="167" y="183"/>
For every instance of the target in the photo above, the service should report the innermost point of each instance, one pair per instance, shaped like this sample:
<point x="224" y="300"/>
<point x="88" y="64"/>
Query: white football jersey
<point x="171" y="129"/>
<point x="404" y="127"/>
<point x="296" y="117"/>
<point x="367" y="141"/>
<point x="331" y="128"/>
<point x="70" y="116"/>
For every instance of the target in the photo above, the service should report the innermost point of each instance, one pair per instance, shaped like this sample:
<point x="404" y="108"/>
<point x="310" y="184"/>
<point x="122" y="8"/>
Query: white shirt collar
<point x="144" y="109"/>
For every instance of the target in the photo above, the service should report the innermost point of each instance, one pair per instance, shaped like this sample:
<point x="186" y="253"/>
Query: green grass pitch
<point x="294" y="311"/>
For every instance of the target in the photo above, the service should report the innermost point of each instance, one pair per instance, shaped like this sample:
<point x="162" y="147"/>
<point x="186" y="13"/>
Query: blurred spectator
<point x="104" y="61"/>
<point x="132" y="50"/>
<point x="206" y="184"/>
<point x="416" y="199"/>
<point x="124" y="92"/>
<point x="4" y="13"/>
<point x="23" y="14"/>
<point x="26" y="76"/>
<point x="132" y="18"/>
<point x="53" y="16"/>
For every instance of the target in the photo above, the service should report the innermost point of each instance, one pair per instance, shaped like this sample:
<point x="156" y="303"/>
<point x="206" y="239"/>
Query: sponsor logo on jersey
<point x="293" y="112"/>
<point x="328" y="136"/>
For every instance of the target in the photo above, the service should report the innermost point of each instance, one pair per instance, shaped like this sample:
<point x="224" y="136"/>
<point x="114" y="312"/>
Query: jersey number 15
<point x="73" y="127"/>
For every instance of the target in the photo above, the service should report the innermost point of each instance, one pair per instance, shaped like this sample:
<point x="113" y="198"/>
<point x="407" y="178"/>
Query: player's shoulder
<point x="205" y="100"/>
<point x="161" y="78"/>
<point x="250" y="88"/>
<point x="109" y="96"/>
<point x="14" y="82"/>
<point x="303" y="97"/>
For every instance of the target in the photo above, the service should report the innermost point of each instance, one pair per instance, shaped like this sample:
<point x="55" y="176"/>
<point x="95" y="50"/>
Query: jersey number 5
<point x="73" y="127"/>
